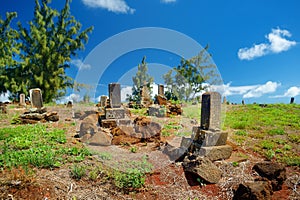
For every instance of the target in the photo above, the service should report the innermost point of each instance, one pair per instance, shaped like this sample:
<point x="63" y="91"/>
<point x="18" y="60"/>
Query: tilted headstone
<point x="22" y="100"/>
<point x="103" y="101"/>
<point x="211" y="111"/>
<point x="114" y="91"/>
<point x="292" y="100"/>
<point x="161" y="90"/>
<point x="36" y="98"/>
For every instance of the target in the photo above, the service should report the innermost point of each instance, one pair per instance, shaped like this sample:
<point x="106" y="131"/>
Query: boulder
<point x="275" y="172"/>
<point x="202" y="167"/>
<point x="258" y="190"/>
<point x="216" y="152"/>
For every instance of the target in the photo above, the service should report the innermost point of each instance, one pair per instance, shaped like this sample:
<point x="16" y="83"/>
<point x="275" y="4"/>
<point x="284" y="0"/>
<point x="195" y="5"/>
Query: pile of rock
<point x="272" y="176"/>
<point x="36" y="115"/>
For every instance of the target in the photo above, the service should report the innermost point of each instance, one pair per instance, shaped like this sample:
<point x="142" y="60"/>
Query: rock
<point x="216" y="152"/>
<point x="258" y="190"/>
<point x="157" y="111"/>
<point x="176" y="148"/>
<point x="89" y="125"/>
<point x="100" y="138"/>
<point x="161" y="100"/>
<point x="275" y="172"/>
<point x="203" y="168"/>
<point x="124" y="136"/>
<point x="150" y="130"/>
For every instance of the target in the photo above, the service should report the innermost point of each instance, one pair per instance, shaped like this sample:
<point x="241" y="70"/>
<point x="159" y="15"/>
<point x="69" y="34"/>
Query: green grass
<point x="272" y="131"/>
<point x="34" y="145"/>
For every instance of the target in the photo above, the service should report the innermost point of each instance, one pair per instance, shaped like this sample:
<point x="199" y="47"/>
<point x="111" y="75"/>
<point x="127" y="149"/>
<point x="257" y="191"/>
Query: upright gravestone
<point x="103" y="100"/>
<point x="292" y="100"/>
<point x="224" y="100"/>
<point x="36" y="98"/>
<point x="161" y="90"/>
<point x="211" y="111"/>
<point x="114" y="90"/>
<point x="22" y="100"/>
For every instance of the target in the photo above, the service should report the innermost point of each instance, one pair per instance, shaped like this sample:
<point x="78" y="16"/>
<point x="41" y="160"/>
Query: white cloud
<point x="247" y="91"/>
<point x="124" y="92"/>
<point x="277" y="43"/>
<point x="116" y="6"/>
<point x="168" y="1"/>
<point x="75" y="98"/>
<point x="269" y="87"/>
<point x="80" y="65"/>
<point x="291" y="92"/>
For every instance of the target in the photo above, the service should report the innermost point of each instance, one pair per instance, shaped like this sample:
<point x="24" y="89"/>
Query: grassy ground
<point x="272" y="131"/>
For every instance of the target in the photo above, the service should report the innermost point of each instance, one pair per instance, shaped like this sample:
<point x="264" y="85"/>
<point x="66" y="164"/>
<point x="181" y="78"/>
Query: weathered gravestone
<point x="224" y="100"/>
<point x="103" y="101"/>
<point x="161" y="90"/>
<point x="292" y="100"/>
<point x="22" y="100"/>
<point x="114" y="90"/>
<point x="211" y="111"/>
<point x="36" y="98"/>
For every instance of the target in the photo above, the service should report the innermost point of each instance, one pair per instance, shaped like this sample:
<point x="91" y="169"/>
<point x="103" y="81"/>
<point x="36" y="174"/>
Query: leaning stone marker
<point x="211" y="111"/>
<point x="114" y="91"/>
<point x="36" y="98"/>
<point x="292" y="100"/>
<point x="103" y="100"/>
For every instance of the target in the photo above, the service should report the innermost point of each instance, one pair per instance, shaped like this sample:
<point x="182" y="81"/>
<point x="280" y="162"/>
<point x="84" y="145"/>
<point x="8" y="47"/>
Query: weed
<point x="235" y="164"/>
<point x="77" y="171"/>
<point x="276" y="132"/>
<point x="133" y="149"/>
<point x="265" y="144"/>
<point x="287" y="147"/>
<point x="241" y="133"/>
<point x="105" y="156"/>
<point x="294" y="138"/>
<point x="131" y="178"/>
<point x="270" y="154"/>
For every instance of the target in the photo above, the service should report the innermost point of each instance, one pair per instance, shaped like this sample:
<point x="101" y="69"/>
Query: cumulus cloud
<point x="116" y="6"/>
<point x="247" y="91"/>
<point x="168" y="1"/>
<point x="291" y="92"/>
<point x="267" y="88"/>
<point x="80" y="65"/>
<point x="277" y="43"/>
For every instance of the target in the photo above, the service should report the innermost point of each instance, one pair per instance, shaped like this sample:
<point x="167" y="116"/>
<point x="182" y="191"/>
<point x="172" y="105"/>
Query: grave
<point x="36" y="98"/>
<point x="292" y="100"/>
<point x="161" y="90"/>
<point x="22" y="102"/>
<point x="37" y="113"/>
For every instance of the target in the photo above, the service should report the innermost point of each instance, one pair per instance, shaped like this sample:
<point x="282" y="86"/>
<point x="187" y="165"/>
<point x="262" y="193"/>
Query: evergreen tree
<point x="191" y="74"/>
<point x="142" y="78"/>
<point x="9" y="49"/>
<point x="46" y="49"/>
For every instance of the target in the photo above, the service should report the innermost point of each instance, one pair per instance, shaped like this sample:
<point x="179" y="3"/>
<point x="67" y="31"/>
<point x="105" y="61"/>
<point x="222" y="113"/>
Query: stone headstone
<point x="292" y="100"/>
<point x="22" y="100"/>
<point x="211" y="111"/>
<point x="161" y="90"/>
<point x="103" y="100"/>
<point x="243" y="102"/>
<point x="36" y="98"/>
<point x="224" y="100"/>
<point x="114" y="91"/>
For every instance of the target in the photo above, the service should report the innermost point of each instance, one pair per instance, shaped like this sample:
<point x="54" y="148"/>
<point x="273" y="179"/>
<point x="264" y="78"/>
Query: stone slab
<point x="211" y="111"/>
<point x="114" y="113"/>
<point x="157" y="111"/>
<point x="112" y="123"/>
<point x="208" y="138"/>
<point x="216" y="152"/>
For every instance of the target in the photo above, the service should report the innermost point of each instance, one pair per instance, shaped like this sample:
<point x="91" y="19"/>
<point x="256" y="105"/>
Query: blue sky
<point x="254" y="43"/>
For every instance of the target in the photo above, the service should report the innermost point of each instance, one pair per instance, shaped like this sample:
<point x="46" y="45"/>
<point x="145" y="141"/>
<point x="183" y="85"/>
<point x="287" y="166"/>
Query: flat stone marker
<point x="36" y="98"/>
<point x="114" y="91"/>
<point x="211" y="111"/>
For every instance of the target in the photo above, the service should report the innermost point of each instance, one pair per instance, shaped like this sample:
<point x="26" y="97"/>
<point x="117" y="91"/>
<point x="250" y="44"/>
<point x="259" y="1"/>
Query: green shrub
<point x="241" y="133"/>
<point x="276" y="132"/>
<point x="77" y="171"/>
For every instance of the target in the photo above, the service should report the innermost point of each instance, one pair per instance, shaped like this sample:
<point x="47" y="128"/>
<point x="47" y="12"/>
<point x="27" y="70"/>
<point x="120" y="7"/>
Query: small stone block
<point x="213" y="138"/>
<point x="157" y="111"/>
<point x="216" y="152"/>
<point x="114" y="113"/>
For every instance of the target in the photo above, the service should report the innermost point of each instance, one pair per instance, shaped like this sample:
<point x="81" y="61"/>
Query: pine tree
<point x="142" y="78"/>
<point x="46" y="49"/>
<point x="9" y="49"/>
